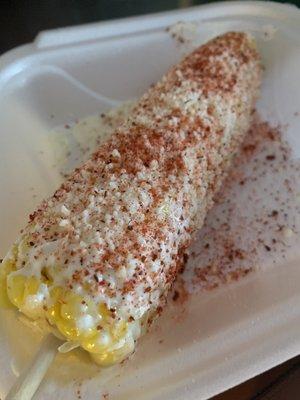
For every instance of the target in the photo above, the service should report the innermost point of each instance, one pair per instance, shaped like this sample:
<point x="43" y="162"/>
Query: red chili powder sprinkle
<point x="255" y="219"/>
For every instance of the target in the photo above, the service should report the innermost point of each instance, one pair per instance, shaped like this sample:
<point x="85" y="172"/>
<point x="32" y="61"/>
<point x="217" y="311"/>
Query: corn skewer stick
<point x="31" y="378"/>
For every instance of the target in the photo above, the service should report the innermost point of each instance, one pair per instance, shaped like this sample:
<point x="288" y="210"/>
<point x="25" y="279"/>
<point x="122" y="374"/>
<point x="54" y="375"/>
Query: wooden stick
<point x="31" y="378"/>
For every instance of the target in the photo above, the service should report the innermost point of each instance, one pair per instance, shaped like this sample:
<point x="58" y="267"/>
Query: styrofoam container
<point x="224" y="336"/>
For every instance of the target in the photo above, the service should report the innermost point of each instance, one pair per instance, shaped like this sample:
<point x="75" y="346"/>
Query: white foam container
<point x="226" y="336"/>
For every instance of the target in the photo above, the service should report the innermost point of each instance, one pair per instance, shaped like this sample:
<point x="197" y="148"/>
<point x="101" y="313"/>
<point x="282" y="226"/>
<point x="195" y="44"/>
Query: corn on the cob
<point x="96" y="260"/>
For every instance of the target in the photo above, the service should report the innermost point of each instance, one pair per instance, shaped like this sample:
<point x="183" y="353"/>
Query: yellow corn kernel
<point x="76" y="309"/>
<point x="31" y="286"/>
<point x="104" y="311"/>
<point x="4" y="300"/>
<point x="87" y="333"/>
<point x="108" y="358"/>
<point x="71" y="307"/>
<point x="6" y="268"/>
<point x="56" y="294"/>
<point x="33" y="302"/>
<point x="97" y="344"/>
<point x="119" y="330"/>
<point x="104" y="359"/>
<point x="92" y="309"/>
<point x="53" y="313"/>
<point x="66" y="310"/>
<point x="74" y="305"/>
<point x="67" y="328"/>
<point x="15" y="289"/>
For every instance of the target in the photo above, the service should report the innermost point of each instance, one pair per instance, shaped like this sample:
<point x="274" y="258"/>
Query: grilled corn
<point x="97" y="259"/>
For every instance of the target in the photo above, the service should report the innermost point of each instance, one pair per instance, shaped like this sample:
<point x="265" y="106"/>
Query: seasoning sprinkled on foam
<point x="256" y="219"/>
<point x="183" y="32"/>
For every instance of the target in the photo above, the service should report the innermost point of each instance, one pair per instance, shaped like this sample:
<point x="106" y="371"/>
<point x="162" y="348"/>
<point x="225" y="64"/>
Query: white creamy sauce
<point x="73" y="143"/>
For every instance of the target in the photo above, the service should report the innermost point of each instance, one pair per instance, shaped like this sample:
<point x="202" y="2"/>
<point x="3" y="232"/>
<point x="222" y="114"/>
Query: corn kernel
<point x="53" y="313"/>
<point x="119" y="330"/>
<point x="98" y="344"/>
<point x="35" y="294"/>
<point x="104" y="311"/>
<point x="67" y="328"/>
<point x="6" y="267"/>
<point x="71" y="307"/>
<point x="86" y="326"/>
<point x="108" y="358"/>
<point x="56" y="294"/>
<point x="15" y="289"/>
<point x="31" y="286"/>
